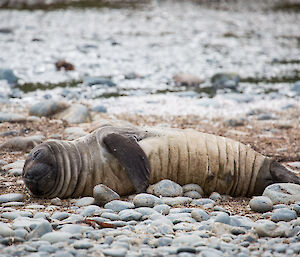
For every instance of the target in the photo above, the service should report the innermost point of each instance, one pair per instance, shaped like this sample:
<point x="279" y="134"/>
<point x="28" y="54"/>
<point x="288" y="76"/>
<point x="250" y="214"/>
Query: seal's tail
<point x="280" y="174"/>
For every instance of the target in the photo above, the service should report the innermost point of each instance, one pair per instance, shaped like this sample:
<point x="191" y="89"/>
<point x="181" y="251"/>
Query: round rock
<point x="199" y="215"/>
<point x="104" y="194"/>
<point x="146" y="200"/>
<point x="56" y="237"/>
<point x="261" y="204"/>
<point x="118" y="205"/>
<point x="283" y="193"/>
<point x="85" y="201"/>
<point x="12" y="197"/>
<point x="167" y="188"/>
<point x="283" y="214"/>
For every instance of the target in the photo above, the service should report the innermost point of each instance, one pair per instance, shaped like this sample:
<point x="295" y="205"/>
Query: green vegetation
<point x="30" y="87"/>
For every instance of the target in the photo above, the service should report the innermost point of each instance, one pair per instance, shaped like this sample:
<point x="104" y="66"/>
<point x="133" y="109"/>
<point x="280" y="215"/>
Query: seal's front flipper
<point x="280" y="174"/>
<point x="132" y="157"/>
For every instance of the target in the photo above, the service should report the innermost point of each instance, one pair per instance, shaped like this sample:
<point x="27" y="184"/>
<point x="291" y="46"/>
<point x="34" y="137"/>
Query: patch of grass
<point x="30" y="87"/>
<point x="81" y="4"/>
<point x="287" y="6"/>
<point x="273" y="80"/>
<point x="292" y="61"/>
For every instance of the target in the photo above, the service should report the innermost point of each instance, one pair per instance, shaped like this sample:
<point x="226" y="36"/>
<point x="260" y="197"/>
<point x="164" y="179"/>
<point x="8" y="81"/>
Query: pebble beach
<point x="227" y="68"/>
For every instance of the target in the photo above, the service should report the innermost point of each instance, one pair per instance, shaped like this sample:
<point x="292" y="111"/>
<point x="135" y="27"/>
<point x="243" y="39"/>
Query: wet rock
<point x="199" y="215"/>
<point x="85" y="201"/>
<point x="186" y="79"/>
<point x="56" y="237"/>
<point x="24" y="144"/>
<point x="99" y="108"/>
<point x="261" y="204"/>
<point x="41" y="229"/>
<point x="225" y="80"/>
<point x="167" y="188"/>
<point x="64" y="65"/>
<point x="76" y="113"/>
<point x="296" y="87"/>
<point x="12" y="197"/>
<point x="9" y="76"/>
<point x="5" y="230"/>
<point x="103" y="194"/>
<point x="47" y="108"/>
<point x="118" y="205"/>
<point x="270" y="229"/>
<point x="146" y="200"/>
<point x="12" y="117"/>
<point x="90" y="81"/>
<point x="283" y="214"/>
<point x="283" y="193"/>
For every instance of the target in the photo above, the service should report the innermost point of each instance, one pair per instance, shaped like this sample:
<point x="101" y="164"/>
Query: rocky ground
<point x="172" y="220"/>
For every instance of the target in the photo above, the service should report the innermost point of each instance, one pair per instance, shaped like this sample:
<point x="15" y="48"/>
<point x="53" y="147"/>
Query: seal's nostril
<point x="28" y="176"/>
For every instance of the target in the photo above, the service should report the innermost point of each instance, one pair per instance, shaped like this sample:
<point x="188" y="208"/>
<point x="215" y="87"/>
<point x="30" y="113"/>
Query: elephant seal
<point x="127" y="159"/>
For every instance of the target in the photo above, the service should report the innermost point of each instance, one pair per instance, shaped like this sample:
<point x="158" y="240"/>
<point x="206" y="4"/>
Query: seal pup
<point x="127" y="159"/>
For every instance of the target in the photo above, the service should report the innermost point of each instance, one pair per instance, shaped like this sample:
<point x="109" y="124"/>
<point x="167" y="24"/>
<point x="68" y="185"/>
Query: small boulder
<point x="225" y="80"/>
<point x="283" y="193"/>
<point x="103" y="194"/>
<point x="76" y="113"/>
<point x="24" y="144"/>
<point x="261" y="204"/>
<point x="47" y="108"/>
<point x="167" y="188"/>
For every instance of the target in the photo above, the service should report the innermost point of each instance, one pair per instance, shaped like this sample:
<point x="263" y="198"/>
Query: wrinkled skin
<point x="128" y="159"/>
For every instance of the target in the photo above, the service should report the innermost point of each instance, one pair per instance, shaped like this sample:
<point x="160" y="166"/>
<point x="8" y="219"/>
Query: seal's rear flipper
<point x="280" y="174"/>
<point x="132" y="157"/>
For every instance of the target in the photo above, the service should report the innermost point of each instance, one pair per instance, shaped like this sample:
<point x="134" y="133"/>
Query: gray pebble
<point x="118" y="205"/>
<point x="22" y="233"/>
<point x="115" y="252"/>
<point x="41" y="229"/>
<point x="111" y="216"/>
<point x="127" y="215"/>
<point x="283" y="214"/>
<point x="56" y="201"/>
<point x="47" y="108"/>
<point x="76" y="113"/>
<point x="60" y="215"/>
<point x="261" y="204"/>
<point x="145" y="211"/>
<point x="270" y="229"/>
<point x="104" y="194"/>
<point x="167" y="188"/>
<point x="199" y="215"/>
<point x="296" y="207"/>
<point x="223" y="218"/>
<point x="179" y="200"/>
<point x="47" y="248"/>
<point x="162" y="208"/>
<point x="15" y="172"/>
<point x="5" y="230"/>
<point x="201" y="202"/>
<point x="283" y="193"/>
<point x="11" y="117"/>
<point x="85" y="201"/>
<point x="215" y="196"/>
<point x="192" y="194"/>
<point x="55" y="237"/>
<point x="12" y="197"/>
<point x="83" y="244"/>
<point x="75" y="229"/>
<point x="90" y="210"/>
<point x="146" y="200"/>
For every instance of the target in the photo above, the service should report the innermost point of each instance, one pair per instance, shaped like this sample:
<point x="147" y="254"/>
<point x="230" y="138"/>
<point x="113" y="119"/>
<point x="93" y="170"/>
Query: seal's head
<point x="40" y="170"/>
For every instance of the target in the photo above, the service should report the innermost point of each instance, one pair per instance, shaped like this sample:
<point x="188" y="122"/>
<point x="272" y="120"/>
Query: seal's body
<point x="127" y="159"/>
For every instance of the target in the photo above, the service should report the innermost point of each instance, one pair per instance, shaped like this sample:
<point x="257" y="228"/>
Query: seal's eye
<point x="36" y="154"/>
